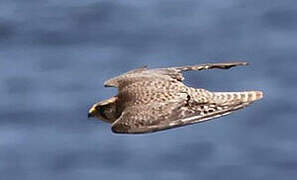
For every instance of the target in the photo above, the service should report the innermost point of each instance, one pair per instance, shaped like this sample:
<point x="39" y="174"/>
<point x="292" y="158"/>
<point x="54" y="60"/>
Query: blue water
<point x="56" y="55"/>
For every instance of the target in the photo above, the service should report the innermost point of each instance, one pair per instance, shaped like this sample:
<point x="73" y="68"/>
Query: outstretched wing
<point x="166" y="74"/>
<point x="125" y="78"/>
<point x="159" y="116"/>
<point x="225" y="65"/>
<point x="176" y="72"/>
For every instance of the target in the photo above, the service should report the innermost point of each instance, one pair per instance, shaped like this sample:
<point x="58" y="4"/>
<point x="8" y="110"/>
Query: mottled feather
<point x="151" y="100"/>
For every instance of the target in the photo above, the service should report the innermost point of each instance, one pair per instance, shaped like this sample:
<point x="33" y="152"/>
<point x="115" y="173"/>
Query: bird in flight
<point x="151" y="100"/>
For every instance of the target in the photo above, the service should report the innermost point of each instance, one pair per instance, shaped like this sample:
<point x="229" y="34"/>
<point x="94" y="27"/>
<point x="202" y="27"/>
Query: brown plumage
<point x="151" y="100"/>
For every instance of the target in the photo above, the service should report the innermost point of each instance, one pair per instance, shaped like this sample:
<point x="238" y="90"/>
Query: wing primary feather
<point x="225" y="65"/>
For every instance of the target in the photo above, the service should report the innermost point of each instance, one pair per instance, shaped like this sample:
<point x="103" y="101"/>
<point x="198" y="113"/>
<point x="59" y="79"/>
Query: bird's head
<point x="104" y="110"/>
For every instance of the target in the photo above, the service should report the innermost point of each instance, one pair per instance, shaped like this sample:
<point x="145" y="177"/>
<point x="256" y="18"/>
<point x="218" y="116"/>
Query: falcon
<point x="151" y="100"/>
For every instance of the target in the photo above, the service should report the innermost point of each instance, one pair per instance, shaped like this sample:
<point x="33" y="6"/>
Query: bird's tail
<point x="237" y="98"/>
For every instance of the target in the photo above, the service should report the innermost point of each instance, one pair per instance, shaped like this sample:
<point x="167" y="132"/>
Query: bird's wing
<point x="176" y="72"/>
<point x="225" y="65"/>
<point x="126" y="78"/>
<point x="166" y="74"/>
<point x="159" y="116"/>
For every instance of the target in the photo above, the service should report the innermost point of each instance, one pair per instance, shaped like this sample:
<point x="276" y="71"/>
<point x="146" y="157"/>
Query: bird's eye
<point x="98" y="108"/>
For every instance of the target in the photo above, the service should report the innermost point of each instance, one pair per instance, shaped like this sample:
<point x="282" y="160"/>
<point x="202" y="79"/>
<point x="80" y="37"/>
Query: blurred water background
<point x="55" y="56"/>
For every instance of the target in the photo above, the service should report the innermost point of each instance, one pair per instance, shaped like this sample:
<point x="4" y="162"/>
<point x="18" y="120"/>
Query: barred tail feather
<point x="229" y="98"/>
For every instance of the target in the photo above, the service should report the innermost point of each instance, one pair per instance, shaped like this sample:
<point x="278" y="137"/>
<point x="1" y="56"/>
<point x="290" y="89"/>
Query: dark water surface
<point x="55" y="56"/>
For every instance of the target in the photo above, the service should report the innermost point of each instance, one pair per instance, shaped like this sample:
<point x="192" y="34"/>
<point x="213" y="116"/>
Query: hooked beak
<point x="91" y="112"/>
<point x="90" y="115"/>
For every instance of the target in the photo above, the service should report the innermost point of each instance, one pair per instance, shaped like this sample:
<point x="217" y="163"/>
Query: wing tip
<point x="244" y="63"/>
<point x="237" y="63"/>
